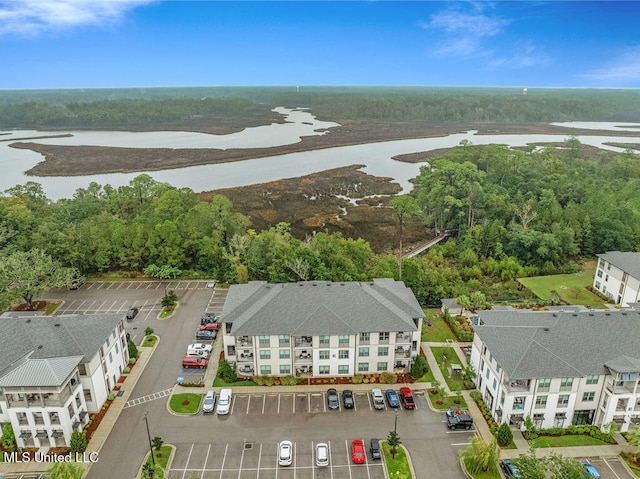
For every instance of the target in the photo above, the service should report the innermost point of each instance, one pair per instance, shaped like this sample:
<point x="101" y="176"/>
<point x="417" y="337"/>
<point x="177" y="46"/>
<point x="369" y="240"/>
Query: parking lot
<point x="611" y="468"/>
<point x="245" y="460"/>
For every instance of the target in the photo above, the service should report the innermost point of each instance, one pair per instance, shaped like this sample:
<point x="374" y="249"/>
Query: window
<point x="599" y="273"/>
<point x="363" y="367"/>
<point x="82" y="369"/>
<point x="593" y="379"/>
<point x="541" y="401"/>
<point x="364" y="337"/>
<point x="117" y="349"/>
<point x="343" y="369"/>
<point x="382" y="366"/>
<point x="283" y="339"/>
<point x="383" y="337"/>
<point x="495" y="383"/>
<point x="323" y="369"/>
<point x="566" y="383"/>
<point x="324" y="340"/>
<point x="324" y="354"/>
<point x="602" y="263"/>
<point x="606" y="278"/>
<point x="490" y="358"/>
<point x="383" y="351"/>
<point x="285" y="369"/>
<point x="87" y="395"/>
<point x="487" y="373"/>
<point x="265" y="354"/>
<point x="71" y="410"/>
<point x="343" y="339"/>
<point x="544" y="383"/>
<point x="589" y="396"/>
<point x="285" y="354"/>
<point x="343" y="354"/>
<point x="264" y="340"/>
<point x="518" y="403"/>
<point x="38" y="419"/>
<point x="265" y="369"/>
<point x="597" y="284"/>
<point x="363" y="352"/>
<point x="53" y="418"/>
<point x="79" y="403"/>
<point x="563" y="400"/>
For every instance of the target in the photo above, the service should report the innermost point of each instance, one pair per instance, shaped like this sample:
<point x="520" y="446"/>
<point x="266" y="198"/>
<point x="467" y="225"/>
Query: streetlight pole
<point x="153" y="461"/>
<point x="395" y="424"/>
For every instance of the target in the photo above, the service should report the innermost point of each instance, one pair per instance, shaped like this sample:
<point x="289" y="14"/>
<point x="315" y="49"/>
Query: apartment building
<point x="321" y="328"/>
<point x="55" y="370"/>
<point x="559" y="367"/>
<point x="617" y="276"/>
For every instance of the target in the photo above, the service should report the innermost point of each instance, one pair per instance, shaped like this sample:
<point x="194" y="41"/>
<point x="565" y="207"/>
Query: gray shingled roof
<point x="530" y="345"/>
<point x="320" y="308"/>
<point x="40" y="372"/>
<point x="53" y="337"/>
<point x="627" y="261"/>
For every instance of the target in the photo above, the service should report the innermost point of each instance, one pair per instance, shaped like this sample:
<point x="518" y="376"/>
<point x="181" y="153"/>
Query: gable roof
<point x="531" y="345"/>
<point x="320" y="308"/>
<point x="40" y="372"/>
<point x="627" y="261"/>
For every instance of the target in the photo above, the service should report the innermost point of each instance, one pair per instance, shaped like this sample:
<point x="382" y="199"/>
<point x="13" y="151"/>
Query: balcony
<point x="303" y="357"/>
<point x="403" y="338"/>
<point x="621" y="387"/>
<point x="402" y="353"/>
<point x="245" y="370"/>
<point x="518" y="385"/>
<point x="303" y="342"/>
<point x="245" y="356"/>
<point x="244" y="341"/>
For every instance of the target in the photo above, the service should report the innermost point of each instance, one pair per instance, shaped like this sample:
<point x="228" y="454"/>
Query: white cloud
<point x="33" y="17"/>
<point x="525" y="55"/>
<point x="621" y="70"/>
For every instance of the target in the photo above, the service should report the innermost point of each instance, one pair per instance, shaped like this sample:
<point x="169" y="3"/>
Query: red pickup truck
<point x="407" y="398"/>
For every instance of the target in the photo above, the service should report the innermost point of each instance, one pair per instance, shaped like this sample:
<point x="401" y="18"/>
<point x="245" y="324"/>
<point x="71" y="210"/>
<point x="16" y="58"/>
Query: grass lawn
<point x="566" y="441"/>
<point x="455" y="383"/>
<point x="219" y="382"/>
<point x="427" y="378"/>
<point x="185" y="403"/>
<point x="160" y="457"/>
<point x="150" y="341"/>
<point x="572" y="288"/>
<point x="438" y="331"/>
<point x="487" y="475"/>
<point x="167" y="311"/>
<point x="447" y="402"/>
<point x="398" y="467"/>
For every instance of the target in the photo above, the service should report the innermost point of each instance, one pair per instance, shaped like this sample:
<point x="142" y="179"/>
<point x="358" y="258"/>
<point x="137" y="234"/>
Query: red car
<point x="357" y="451"/>
<point x="406" y="398"/>
<point x="209" y="327"/>
<point x="194" y="362"/>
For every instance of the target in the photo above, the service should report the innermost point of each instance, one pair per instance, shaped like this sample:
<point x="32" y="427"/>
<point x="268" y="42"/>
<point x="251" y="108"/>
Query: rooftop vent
<point x="57" y="325"/>
<point x="40" y="347"/>
<point x="591" y="314"/>
<point x="555" y="315"/>
<point x="545" y="329"/>
<point x="607" y="314"/>
<point x="28" y="321"/>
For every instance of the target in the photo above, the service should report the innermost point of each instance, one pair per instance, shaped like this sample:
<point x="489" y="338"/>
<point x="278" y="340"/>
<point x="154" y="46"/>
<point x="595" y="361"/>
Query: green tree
<point x="164" y="272"/>
<point x="394" y="441"/>
<point x="480" y="456"/>
<point x="133" y="350"/>
<point x="563" y="468"/>
<point x="404" y="207"/>
<point x="530" y="466"/>
<point x="8" y="438"/>
<point x="66" y="470"/>
<point x="634" y="440"/>
<point x="157" y="442"/>
<point x="24" y="275"/>
<point x="78" y="442"/>
<point x="419" y="366"/>
<point x="504" y="436"/>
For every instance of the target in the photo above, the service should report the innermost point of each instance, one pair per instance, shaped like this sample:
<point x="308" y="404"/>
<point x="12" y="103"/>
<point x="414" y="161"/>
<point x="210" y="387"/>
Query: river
<point x="377" y="157"/>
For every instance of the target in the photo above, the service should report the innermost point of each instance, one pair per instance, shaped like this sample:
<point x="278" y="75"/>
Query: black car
<point x="132" y="313"/>
<point x="347" y="399"/>
<point x="374" y="447"/>
<point x="332" y="399"/>
<point x="208" y="318"/>
<point x="204" y="334"/>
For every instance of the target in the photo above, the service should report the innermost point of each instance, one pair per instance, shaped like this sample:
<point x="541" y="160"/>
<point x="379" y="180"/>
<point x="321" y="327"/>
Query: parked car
<point x="374" y="447"/>
<point x="459" y="421"/>
<point x="208" y="318"/>
<point x="209" y="402"/>
<point x="132" y="313"/>
<point x="377" y="398"/>
<point x="322" y="454"/>
<point x="194" y="362"/>
<point x="392" y="398"/>
<point x="206" y="347"/>
<point x="285" y="453"/>
<point x="203" y="335"/>
<point x="590" y="471"/>
<point x="76" y="283"/>
<point x="406" y="397"/>
<point x="332" y="399"/>
<point x="210" y="327"/>
<point x="357" y="451"/>
<point x="211" y="284"/>
<point x="224" y="402"/>
<point x="347" y="399"/>
<point x="510" y="471"/>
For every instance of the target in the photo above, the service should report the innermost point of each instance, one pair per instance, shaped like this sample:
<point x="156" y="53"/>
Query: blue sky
<point x="118" y="43"/>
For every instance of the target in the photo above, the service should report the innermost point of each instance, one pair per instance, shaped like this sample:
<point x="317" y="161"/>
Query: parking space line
<point x="204" y="466"/>
<point x="264" y="399"/>
<point x="295" y="463"/>
<point x="224" y="457"/>
<point x="259" y="460"/>
<point x="248" y="403"/>
<point x="187" y="464"/>
<point x="278" y="403"/>
<point x="233" y="402"/>
<point x="346" y="445"/>
<point x="609" y="466"/>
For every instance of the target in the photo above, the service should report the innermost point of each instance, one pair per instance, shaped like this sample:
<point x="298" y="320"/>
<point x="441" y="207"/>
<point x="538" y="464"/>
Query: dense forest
<point x="136" y="107"/>
<point x="510" y="213"/>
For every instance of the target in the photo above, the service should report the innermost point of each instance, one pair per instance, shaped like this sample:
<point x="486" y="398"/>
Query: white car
<point x="224" y="402"/>
<point x="209" y="402"/>
<point x="322" y="454"/>
<point x="285" y="453"/>
<point x="205" y="347"/>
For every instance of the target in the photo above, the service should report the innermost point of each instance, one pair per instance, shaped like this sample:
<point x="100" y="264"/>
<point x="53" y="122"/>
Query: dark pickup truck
<point x="459" y="421"/>
<point x="407" y="398"/>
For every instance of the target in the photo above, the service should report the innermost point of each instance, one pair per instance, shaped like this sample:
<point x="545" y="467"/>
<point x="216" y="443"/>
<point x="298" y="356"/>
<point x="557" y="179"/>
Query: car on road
<point x="590" y="471"/>
<point x="194" y="362"/>
<point x="210" y="327"/>
<point x="204" y="335"/>
<point x="406" y="397"/>
<point x="374" y="447"/>
<point x="357" y="451"/>
<point x="209" y="402"/>
<point x="332" y="399"/>
<point x="509" y="470"/>
<point x="347" y="399"/>
<point x="392" y="398"/>
<point x="132" y="313"/>
<point x="322" y="454"/>
<point x="285" y="453"/>
<point x="205" y="347"/>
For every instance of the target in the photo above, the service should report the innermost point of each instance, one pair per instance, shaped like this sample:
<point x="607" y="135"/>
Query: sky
<point x="134" y="43"/>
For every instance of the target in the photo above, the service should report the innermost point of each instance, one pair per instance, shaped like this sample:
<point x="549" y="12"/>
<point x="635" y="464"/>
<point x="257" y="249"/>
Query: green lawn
<point x="150" y="341"/>
<point x="221" y="383"/>
<point x="572" y="288"/>
<point x="427" y="378"/>
<point x="161" y="458"/>
<point x="438" y="331"/>
<point x="398" y="467"/>
<point x="185" y="403"/>
<point x="447" y="402"/>
<point x="455" y="383"/>
<point x="566" y="441"/>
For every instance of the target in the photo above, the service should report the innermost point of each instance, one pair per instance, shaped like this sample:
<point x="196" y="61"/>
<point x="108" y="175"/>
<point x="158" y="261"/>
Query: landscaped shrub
<point x="504" y="436"/>
<point x="486" y="412"/>
<point x="8" y="438"/>
<point x="133" y="350"/>
<point x="461" y="327"/>
<point x="357" y="379"/>
<point x="419" y="367"/>
<point x="78" y="442"/>
<point x="388" y="378"/>
<point x="226" y="372"/>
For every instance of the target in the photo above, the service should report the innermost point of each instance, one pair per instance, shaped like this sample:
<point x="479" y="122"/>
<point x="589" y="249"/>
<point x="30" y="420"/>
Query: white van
<point x="201" y="353"/>
<point x="224" y="402"/>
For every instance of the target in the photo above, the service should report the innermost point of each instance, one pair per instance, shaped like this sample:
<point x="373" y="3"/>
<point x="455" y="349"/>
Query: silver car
<point x="322" y="454"/>
<point x="209" y="402"/>
<point x="285" y="453"/>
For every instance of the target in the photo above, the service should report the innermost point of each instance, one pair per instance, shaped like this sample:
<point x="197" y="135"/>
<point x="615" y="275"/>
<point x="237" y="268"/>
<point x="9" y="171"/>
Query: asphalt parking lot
<point x="247" y="460"/>
<point x="610" y="468"/>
